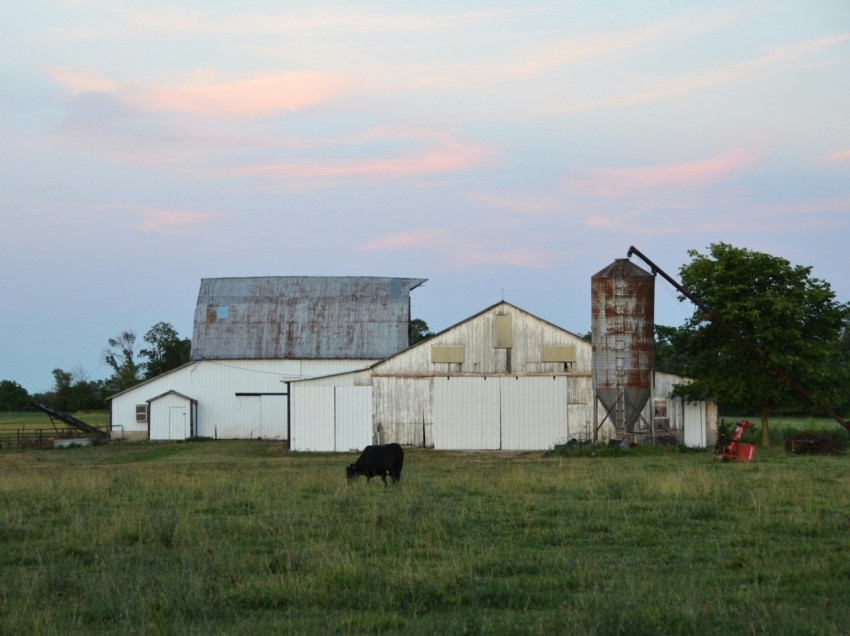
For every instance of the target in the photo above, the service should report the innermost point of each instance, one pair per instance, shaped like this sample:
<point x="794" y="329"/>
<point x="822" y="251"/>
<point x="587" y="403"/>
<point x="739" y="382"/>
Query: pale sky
<point x="500" y="149"/>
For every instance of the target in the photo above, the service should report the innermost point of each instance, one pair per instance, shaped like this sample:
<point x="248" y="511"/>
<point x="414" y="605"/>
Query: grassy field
<point x="27" y="420"/>
<point x="246" y="538"/>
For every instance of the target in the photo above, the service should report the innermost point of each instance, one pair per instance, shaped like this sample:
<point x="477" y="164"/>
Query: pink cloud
<point x="172" y="221"/>
<point x="607" y="182"/>
<point x="249" y="98"/>
<point x="206" y="96"/>
<point x="78" y="82"/>
<point x="463" y="248"/>
<point x="453" y="156"/>
<point x="839" y="156"/>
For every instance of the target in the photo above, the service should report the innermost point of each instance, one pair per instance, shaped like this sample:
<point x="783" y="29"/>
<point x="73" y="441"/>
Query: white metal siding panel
<point x="312" y="411"/>
<point x="466" y="413"/>
<point x="579" y="422"/>
<point x="158" y="416"/>
<point x="353" y="415"/>
<point x="534" y="412"/>
<point x="581" y="396"/>
<point x="273" y="423"/>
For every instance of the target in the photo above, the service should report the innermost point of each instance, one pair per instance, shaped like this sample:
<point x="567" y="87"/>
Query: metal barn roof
<point x="301" y="317"/>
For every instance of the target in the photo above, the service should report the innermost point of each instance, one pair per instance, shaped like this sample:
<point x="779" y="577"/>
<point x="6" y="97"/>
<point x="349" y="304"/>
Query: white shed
<point x="172" y="416"/>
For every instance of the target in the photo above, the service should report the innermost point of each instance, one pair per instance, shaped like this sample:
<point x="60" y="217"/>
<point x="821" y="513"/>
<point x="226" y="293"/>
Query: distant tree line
<point x="75" y="391"/>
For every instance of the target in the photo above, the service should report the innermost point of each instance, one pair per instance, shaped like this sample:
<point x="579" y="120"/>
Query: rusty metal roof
<point x="302" y="317"/>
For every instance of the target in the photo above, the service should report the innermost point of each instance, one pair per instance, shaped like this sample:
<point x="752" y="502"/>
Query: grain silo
<point x="623" y="306"/>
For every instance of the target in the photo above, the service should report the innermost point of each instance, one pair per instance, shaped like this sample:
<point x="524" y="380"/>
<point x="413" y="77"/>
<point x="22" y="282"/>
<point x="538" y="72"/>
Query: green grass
<point x="243" y="537"/>
<point x="27" y="420"/>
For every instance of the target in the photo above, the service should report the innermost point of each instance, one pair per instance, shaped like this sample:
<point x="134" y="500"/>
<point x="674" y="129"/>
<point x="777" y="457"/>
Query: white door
<point x="178" y="424"/>
<point x="466" y="413"/>
<point x="312" y="412"/>
<point x="533" y="412"/>
<point x="353" y="417"/>
<point x="695" y="424"/>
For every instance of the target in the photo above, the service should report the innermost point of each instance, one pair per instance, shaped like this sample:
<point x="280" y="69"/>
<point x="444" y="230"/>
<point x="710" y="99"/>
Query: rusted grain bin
<point x="623" y="306"/>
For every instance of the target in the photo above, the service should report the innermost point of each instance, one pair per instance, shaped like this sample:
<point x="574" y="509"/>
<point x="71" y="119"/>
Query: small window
<point x="141" y="412"/>
<point x="660" y="408"/>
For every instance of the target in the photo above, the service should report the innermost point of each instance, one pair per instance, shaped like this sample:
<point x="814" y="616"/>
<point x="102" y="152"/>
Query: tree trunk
<point x="765" y="430"/>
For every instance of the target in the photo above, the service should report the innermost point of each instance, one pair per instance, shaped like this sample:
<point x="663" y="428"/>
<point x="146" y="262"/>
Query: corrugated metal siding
<point x="309" y="317"/>
<point x="466" y="413"/>
<point x="312" y="412"/>
<point x="330" y="418"/>
<point x="353" y="417"/>
<point x="534" y="412"/>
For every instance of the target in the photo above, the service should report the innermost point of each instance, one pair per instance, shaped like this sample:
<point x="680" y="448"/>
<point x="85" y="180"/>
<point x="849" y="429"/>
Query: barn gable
<point x="301" y="317"/>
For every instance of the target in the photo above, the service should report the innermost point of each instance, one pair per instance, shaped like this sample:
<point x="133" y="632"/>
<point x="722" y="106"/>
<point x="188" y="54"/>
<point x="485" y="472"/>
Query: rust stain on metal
<point x="302" y="317"/>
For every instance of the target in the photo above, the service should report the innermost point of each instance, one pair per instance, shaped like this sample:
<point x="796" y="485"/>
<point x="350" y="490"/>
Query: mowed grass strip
<point x="244" y="537"/>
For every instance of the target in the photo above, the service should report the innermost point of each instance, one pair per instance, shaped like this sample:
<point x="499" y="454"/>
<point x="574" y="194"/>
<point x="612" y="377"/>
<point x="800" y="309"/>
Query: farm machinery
<point x="730" y="448"/>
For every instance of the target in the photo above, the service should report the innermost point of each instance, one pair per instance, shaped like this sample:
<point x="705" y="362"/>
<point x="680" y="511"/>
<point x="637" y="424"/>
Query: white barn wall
<point x="403" y="410"/>
<point x="221" y="413"/>
<point x="406" y="384"/>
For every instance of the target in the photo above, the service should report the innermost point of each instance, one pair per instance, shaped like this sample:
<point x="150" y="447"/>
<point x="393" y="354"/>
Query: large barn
<point x="324" y="364"/>
<point x="253" y="335"/>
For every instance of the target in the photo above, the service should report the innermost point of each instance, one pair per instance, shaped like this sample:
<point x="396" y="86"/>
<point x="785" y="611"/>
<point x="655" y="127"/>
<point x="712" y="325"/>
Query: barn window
<point x="141" y="412"/>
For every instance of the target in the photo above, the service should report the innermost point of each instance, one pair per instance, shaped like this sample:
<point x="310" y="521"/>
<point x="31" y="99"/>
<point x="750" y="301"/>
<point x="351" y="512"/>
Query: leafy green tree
<point x="13" y="397"/>
<point x="418" y="331"/>
<point x="121" y="356"/>
<point x="669" y="356"/>
<point x="166" y="351"/>
<point x="73" y="391"/>
<point x="790" y="319"/>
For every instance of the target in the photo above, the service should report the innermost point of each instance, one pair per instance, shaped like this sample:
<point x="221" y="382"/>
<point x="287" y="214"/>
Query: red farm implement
<point x="731" y="448"/>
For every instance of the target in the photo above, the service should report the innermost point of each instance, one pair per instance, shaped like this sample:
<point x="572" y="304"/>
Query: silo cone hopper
<point x="623" y="407"/>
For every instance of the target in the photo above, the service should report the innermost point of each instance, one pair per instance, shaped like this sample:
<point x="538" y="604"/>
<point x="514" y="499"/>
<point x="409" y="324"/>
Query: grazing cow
<point x="378" y="461"/>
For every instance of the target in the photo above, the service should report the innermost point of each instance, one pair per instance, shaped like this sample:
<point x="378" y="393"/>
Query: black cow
<point x="378" y="461"/>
